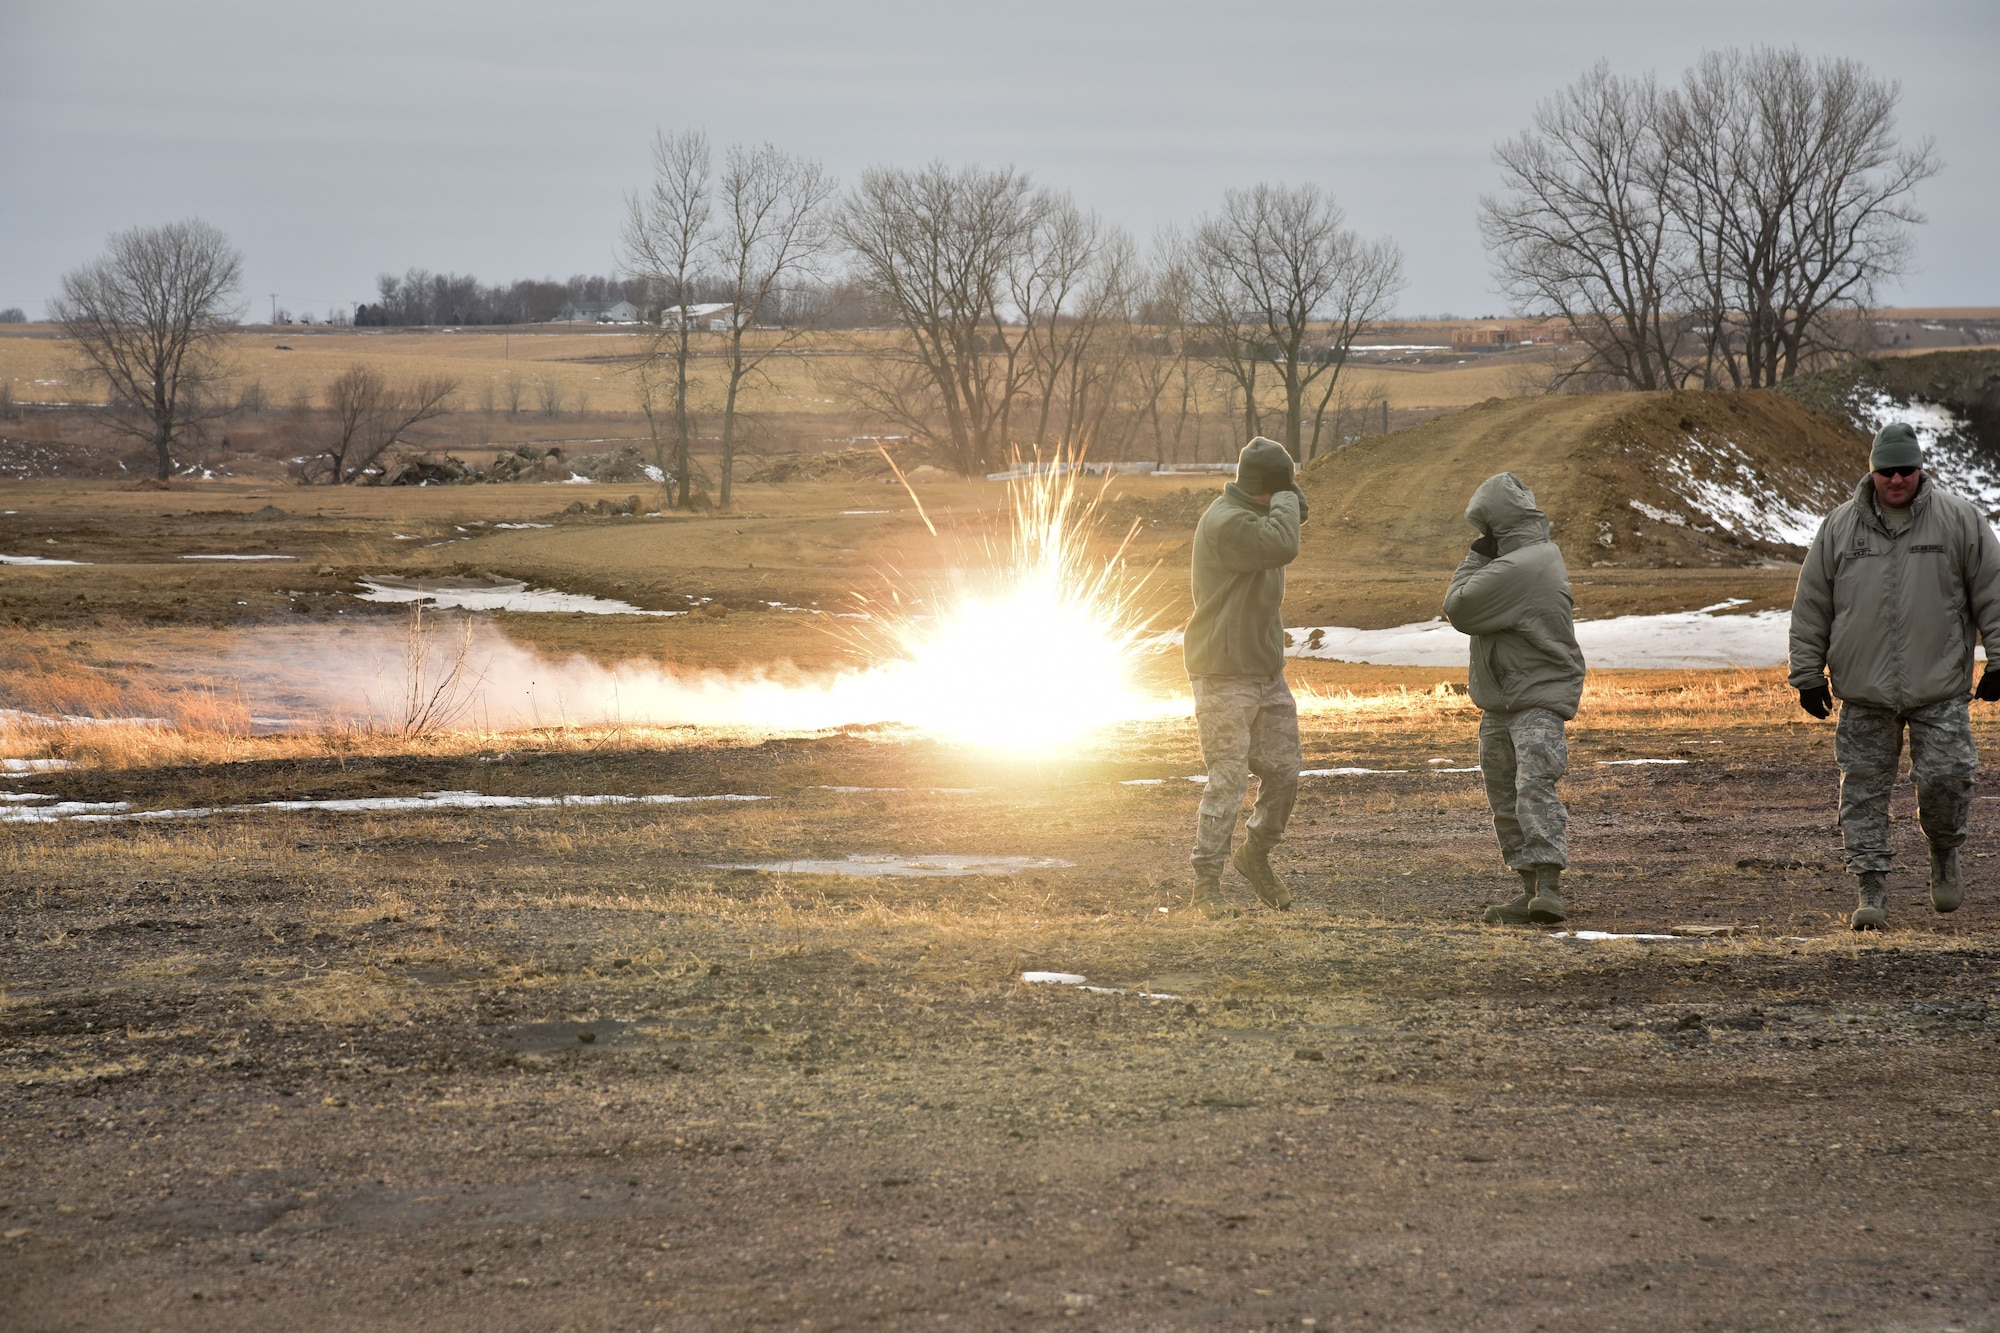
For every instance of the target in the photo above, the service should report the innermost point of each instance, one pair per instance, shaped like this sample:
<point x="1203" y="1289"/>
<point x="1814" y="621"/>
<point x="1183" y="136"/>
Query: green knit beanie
<point x="1896" y="446"/>
<point x="1264" y="467"/>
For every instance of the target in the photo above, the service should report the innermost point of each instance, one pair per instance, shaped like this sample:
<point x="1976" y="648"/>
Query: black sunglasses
<point x="1895" y="471"/>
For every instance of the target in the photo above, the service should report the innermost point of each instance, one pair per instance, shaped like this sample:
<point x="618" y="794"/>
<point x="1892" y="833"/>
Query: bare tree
<point x="1715" y="231"/>
<point x="936" y="248"/>
<point x="368" y="416"/>
<point x="1275" y="261"/>
<point x="1071" y="288"/>
<point x="1163" y="367"/>
<point x="1583" y="229"/>
<point x="774" y="232"/>
<point x="152" y="319"/>
<point x="1794" y="197"/>
<point x="668" y="243"/>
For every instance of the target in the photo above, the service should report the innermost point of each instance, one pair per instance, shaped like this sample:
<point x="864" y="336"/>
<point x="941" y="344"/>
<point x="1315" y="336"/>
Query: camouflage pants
<point x="1869" y="741"/>
<point x="1248" y="724"/>
<point x="1523" y="755"/>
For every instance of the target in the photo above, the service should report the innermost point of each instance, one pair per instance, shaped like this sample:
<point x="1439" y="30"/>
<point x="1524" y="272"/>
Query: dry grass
<point x="207" y="727"/>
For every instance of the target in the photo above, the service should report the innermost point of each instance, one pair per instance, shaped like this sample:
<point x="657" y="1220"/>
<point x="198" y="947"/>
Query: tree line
<point x="1709" y="233"/>
<point x="1019" y="321"/>
<point x="1712" y="232"/>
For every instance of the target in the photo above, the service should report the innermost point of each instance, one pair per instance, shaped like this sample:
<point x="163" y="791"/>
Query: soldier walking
<point x="1511" y="595"/>
<point x="1234" y="650"/>
<point x="1895" y="585"/>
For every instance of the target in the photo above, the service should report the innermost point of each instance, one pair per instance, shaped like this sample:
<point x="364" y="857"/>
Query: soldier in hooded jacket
<point x="1895" y="586"/>
<point x="1511" y="596"/>
<point x="1234" y="649"/>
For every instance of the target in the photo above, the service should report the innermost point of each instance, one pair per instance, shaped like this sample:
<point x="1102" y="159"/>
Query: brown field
<point x="561" y="1066"/>
<point x="589" y="373"/>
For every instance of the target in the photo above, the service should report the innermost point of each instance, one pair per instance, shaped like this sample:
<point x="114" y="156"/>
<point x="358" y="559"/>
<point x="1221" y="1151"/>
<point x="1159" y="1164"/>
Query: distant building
<point x="1483" y="339"/>
<point x="598" y="312"/>
<point x="710" y="317"/>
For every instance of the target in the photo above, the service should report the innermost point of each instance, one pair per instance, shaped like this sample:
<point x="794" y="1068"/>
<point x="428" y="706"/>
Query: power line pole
<point x="274" y="307"/>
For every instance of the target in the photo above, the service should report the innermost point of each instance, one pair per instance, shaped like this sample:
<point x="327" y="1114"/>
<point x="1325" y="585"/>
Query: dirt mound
<point x="1641" y="479"/>
<point x="626" y="464"/>
<point x="1966" y="383"/>
<point x="834" y="465"/>
<point x="1176" y="509"/>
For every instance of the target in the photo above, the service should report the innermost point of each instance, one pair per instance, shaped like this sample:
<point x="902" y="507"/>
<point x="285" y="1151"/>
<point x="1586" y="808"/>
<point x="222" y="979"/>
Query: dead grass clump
<point x="337" y="999"/>
<point x="1688" y="699"/>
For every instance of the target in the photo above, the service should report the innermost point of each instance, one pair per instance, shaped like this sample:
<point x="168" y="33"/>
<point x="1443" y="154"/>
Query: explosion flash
<point x="1041" y="656"/>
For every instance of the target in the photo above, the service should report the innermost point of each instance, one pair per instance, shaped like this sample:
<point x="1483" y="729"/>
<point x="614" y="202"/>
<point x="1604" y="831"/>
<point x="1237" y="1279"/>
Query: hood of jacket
<point x="1504" y="506"/>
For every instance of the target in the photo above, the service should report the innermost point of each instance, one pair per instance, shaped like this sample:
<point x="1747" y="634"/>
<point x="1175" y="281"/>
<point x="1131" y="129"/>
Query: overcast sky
<point x="334" y="142"/>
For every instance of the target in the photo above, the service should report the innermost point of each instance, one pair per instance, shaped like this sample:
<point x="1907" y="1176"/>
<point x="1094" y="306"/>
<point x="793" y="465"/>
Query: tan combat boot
<point x="1872" y="912"/>
<point x="1253" y="862"/>
<point x="1546" y="907"/>
<point x="1513" y="912"/>
<point x="1208" y="899"/>
<point x="1947" y="885"/>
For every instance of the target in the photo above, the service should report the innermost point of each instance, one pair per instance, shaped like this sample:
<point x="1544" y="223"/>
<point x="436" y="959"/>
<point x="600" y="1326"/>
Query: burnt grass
<point x="550" y="1068"/>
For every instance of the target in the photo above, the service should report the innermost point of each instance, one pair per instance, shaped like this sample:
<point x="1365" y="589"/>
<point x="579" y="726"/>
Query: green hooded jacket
<point x="1241" y="549"/>
<point x="1892" y="615"/>
<point x="1516" y="606"/>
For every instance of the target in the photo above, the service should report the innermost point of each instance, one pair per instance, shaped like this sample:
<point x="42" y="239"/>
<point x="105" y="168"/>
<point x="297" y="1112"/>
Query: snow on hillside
<point x="1949" y="455"/>
<point x="1717" y="479"/>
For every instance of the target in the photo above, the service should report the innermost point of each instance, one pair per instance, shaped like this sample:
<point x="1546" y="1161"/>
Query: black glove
<point x="1487" y="545"/>
<point x="1818" y="699"/>
<point x="1304" y="509"/>
<point x="1989" y="686"/>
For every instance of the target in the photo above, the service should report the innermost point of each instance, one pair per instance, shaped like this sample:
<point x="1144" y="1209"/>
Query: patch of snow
<point x="1474" y="769"/>
<point x="903" y="867"/>
<point x="850" y="513"/>
<point x="505" y="597"/>
<point x="49" y="814"/>
<point x="239" y="557"/>
<point x="1658" y="515"/>
<point x="107" y="811"/>
<point x="1346" y="772"/>
<point x="35" y="765"/>
<point x="37" y="560"/>
<point x="1617" y="763"/>
<point x="515" y="527"/>
<point x="933" y="791"/>
<point x="1608" y="935"/>
<point x="1678" y="639"/>
<point x="1077" y="980"/>
<point x="18" y="717"/>
<point x="654" y="473"/>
